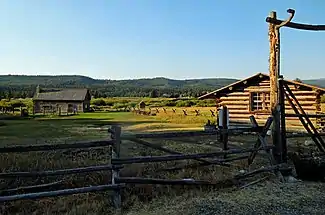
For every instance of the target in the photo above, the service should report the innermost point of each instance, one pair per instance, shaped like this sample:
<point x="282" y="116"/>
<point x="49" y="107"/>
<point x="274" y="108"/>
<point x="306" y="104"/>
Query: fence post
<point x="225" y="129"/>
<point x="115" y="153"/>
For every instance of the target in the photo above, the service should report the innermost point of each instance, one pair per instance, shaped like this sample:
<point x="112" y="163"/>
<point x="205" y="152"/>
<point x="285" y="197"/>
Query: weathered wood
<point x="160" y="148"/>
<point x="320" y="147"/>
<point x="289" y="113"/>
<point x="31" y="188"/>
<point x="321" y="141"/>
<point x="261" y="137"/>
<point x="238" y="93"/>
<point x="234" y="98"/>
<point x="226" y="103"/>
<point x="138" y="180"/>
<point x="60" y="171"/>
<point x="237" y="107"/>
<point x="148" y="159"/>
<point x="295" y="25"/>
<point x="225" y="128"/>
<point x="276" y="134"/>
<point x="115" y="154"/>
<point x="32" y="196"/>
<point x="215" y="161"/>
<point x="307" y="115"/>
<point x="231" y="131"/>
<point x="284" y="152"/>
<point x="90" y="144"/>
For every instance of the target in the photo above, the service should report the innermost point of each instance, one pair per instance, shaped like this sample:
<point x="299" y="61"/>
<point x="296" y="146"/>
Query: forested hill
<point x="22" y="86"/>
<point x="106" y="88"/>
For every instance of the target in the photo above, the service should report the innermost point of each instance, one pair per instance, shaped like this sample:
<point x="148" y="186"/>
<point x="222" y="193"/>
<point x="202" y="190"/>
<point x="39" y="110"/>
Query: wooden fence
<point x="154" y="111"/>
<point x="117" y="163"/>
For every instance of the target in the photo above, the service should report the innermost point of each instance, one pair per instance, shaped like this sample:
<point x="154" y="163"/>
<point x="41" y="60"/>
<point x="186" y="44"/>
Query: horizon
<point x="179" y="40"/>
<point x="189" y="79"/>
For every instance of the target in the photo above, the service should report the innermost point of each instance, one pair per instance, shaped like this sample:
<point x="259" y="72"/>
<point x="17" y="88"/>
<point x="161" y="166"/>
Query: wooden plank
<point x="261" y="136"/>
<point x="310" y="115"/>
<point x="234" y="98"/>
<point x="234" y="103"/>
<point x="238" y="94"/>
<point x="257" y="89"/>
<point x="318" y="140"/>
<point x="161" y="148"/>
<point x="90" y="144"/>
<point x="237" y="107"/>
<point x="115" y="154"/>
<point x="138" y="180"/>
<point x="247" y="112"/>
<point x="59" y="172"/>
<point x="303" y="103"/>
<point x="150" y="159"/>
<point x="310" y="107"/>
<point x="55" y="193"/>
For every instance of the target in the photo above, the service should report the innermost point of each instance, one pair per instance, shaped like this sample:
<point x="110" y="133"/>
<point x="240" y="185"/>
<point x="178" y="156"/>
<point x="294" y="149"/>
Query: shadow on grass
<point x="31" y="130"/>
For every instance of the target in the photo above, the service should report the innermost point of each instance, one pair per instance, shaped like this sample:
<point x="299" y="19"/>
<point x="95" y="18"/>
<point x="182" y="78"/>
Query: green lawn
<point x="87" y="126"/>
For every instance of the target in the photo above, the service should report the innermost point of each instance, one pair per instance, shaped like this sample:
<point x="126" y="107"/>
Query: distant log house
<point x="251" y="96"/>
<point x="61" y="101"/>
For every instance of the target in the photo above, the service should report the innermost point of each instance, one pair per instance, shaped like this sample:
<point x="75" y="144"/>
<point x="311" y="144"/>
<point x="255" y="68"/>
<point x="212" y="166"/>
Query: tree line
<point x="7" y="92"/>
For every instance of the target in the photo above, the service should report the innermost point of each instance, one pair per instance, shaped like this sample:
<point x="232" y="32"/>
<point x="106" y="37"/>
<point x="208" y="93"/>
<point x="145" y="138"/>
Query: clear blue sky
<point x="182" y="39"/>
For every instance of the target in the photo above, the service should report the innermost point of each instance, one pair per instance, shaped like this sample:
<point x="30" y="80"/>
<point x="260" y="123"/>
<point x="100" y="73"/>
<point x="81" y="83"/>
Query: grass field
<point x="87" y="126"/>
<point x="140" y="199"/>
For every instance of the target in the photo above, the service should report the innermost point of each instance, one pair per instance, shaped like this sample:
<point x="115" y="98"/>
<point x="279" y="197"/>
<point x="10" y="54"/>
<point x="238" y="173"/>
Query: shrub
<point x="98" y="102"/>
<point x="206" y="103"/>
<point x="186" y="103"/>
<point x="169" y="104"/>
<point x="120" y="105"/>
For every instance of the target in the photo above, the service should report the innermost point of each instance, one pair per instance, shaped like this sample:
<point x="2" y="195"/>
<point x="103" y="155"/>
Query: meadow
<point x="137" y="199"/>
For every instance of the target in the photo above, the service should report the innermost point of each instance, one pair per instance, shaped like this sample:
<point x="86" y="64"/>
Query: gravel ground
<point x="266" y="198"/>
<point x="263" y="198"/>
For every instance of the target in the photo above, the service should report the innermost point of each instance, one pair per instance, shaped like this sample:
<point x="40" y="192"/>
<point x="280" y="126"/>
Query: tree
<point x="298" y="80"/>
<point x="153" y="94"/>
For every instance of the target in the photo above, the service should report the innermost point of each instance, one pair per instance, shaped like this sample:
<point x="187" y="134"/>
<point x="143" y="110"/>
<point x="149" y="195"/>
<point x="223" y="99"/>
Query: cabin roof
<point x="260" y="77"/>
<point x="62" y="95"/>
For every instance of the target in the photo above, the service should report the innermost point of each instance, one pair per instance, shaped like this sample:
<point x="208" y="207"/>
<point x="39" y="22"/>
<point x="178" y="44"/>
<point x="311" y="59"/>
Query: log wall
<point x="240" y="100"/>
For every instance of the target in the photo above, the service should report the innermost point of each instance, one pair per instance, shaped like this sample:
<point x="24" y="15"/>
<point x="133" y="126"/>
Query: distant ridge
<point x="78" y="80"/>
<point x="20" y="86"/>
<point x="160" y="82"/>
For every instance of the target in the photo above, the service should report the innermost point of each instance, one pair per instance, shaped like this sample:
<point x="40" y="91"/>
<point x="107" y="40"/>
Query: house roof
<point x="261" y="76"/>
<point x="62" y="95"/>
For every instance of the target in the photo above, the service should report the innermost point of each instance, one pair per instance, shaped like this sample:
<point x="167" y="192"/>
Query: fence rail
<point x="117" y="163"/>
<point x="34" y="148"/>
<point x="60" y="171"/>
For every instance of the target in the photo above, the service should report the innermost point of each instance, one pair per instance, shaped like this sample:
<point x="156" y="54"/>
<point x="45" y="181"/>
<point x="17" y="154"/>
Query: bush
<point x="120" y="105"/>
<point x="169" y="104"/>
<point x="98" y="102"/>
<point x="186" y="103"/>
<point x="206" y="103"/>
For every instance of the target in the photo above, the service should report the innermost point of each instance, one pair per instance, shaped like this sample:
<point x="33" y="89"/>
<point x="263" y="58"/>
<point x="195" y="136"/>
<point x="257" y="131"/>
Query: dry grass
<point x="93" y="126"/>
<point x="176" y="121"/>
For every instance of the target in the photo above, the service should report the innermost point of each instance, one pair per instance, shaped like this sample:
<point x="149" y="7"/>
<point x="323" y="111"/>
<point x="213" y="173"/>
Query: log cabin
<point x="251" y="96"/>
<point x="61" y="101"/>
